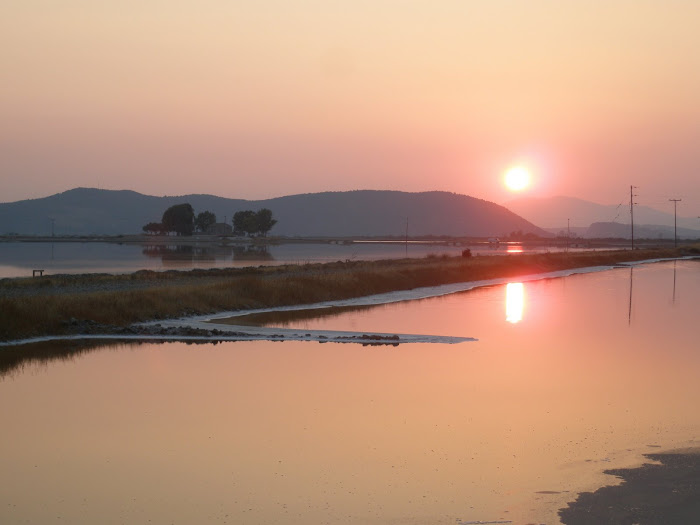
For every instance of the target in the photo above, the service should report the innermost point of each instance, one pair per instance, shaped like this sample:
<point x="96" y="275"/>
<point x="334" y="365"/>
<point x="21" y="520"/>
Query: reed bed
<point x="56" y="305"/>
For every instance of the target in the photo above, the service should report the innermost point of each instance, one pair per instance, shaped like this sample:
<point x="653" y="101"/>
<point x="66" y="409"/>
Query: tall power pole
<point x="675" y="235"/>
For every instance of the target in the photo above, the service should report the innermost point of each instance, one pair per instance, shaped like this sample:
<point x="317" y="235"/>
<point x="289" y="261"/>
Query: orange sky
<point x="263" y="98"/>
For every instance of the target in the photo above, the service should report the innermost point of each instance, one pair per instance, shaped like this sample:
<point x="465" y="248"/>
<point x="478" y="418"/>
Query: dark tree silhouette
<point x="154" y="228"/>
<point x="204" y="220"/>
<point x="244" y="223"/>
<point x="264" y="221"/>
<point x="179" y="219"/>
<point x="251" y="223"/>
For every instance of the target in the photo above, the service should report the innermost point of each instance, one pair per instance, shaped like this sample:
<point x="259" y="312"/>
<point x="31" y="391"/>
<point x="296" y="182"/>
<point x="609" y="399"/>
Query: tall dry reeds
<point x="52" y="305"/>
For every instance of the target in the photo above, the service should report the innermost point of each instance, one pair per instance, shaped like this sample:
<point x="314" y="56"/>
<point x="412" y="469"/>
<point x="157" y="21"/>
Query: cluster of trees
<point x="252" y="223"/>
<point x="203" y="220"/>
<point x="520" y="236"/>
<point x="181" y="220"/>
<point x="154" y="228"/>
<point x="564" y="235"/>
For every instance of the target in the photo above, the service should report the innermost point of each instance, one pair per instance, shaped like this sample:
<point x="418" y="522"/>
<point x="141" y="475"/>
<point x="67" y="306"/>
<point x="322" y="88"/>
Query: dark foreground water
<point x="569" y="377"/>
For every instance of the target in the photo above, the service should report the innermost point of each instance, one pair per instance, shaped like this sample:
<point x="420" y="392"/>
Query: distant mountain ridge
<point x="88" y="211"/>
<point x="553" y="212"/>
<point x="641" y="231"/>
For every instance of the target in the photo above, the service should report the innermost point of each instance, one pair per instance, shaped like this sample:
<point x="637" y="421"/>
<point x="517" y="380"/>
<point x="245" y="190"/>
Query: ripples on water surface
<point x="569" y="377"/>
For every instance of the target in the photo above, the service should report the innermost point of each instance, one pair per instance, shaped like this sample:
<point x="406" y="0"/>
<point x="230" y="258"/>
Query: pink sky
<point x="265" y="98"/>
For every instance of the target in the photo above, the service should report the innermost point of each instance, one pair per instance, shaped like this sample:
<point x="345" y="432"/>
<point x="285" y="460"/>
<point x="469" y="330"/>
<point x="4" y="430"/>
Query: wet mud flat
<point x="665" y="492"/>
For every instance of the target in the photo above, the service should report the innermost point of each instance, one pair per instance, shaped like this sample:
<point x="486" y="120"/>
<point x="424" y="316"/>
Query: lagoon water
<point x="568" y="377"/>
<point x="18" y="259"/>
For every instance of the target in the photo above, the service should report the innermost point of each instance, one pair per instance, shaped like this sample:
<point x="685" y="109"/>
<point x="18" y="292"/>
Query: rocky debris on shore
<point x="372" y="340"/>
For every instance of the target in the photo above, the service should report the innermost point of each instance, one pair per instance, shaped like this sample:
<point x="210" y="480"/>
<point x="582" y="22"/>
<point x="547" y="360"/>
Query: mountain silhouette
<point x="89" y="211"/>
<point x="553" y="212"/>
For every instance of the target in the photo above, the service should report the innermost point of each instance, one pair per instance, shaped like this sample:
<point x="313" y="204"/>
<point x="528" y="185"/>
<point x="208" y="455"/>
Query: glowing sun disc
<point x="517" y="178"/>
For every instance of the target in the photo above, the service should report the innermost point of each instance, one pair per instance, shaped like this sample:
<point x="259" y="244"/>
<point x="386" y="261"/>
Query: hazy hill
<point x="641" y="231"/>
<point x="553" y="212"/>
<point x="85" y="211"/>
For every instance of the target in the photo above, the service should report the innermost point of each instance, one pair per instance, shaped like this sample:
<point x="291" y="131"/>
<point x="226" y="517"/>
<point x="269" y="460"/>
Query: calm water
<point x="18" y="259"/>
<point x="569" y="377"/>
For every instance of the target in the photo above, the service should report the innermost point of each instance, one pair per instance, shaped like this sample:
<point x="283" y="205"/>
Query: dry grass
<point x="33" y="307"/>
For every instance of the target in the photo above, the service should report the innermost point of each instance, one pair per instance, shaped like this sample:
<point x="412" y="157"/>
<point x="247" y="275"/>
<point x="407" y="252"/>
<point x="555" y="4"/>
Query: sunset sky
<point x="257" y="99"/>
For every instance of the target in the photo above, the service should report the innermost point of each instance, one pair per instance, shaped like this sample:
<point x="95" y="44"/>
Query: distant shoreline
<point x="57" y="305"/>
<point x="143" y="239"/>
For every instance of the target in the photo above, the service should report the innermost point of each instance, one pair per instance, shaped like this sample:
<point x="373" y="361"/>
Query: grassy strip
<point x="39" y="310"/>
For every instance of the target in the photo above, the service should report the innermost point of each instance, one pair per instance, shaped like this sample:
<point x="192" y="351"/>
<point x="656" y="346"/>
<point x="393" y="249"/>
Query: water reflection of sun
<point x="515" y="302"/>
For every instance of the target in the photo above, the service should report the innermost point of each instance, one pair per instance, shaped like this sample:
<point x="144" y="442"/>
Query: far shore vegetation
<point x="61" y="304"/>
<point x="181" y="220"/>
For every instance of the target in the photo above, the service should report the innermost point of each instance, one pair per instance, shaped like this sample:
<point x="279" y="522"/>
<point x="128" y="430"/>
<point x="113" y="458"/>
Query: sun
<point x="517" y="178"/>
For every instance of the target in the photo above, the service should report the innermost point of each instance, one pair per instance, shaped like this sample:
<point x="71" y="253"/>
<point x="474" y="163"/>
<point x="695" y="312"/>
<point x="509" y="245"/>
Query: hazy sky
<point x="263" y="98"/>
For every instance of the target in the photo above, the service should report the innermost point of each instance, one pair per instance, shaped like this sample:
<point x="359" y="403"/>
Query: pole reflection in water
<point x="673" y="297"/>
<point x="515" y="302"/>
<point x="629" y="309"/>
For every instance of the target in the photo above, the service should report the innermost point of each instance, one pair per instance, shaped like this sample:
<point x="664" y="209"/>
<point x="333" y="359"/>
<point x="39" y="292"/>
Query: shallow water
<point x="569" y="377"/>
<point x="18" y="259"/>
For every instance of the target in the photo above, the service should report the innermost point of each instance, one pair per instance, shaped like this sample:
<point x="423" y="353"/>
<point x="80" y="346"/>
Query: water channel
<point x="569" y="377"/>
<point x="18" y="259"/>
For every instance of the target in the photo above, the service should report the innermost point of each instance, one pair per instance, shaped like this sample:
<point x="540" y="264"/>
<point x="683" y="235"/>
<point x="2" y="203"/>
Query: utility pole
<point x="632" y="203"/>
<point x="675" y="235"/>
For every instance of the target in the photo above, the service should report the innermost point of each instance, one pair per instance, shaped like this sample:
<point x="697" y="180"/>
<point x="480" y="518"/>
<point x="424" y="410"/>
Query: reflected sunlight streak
<point x="515" y="302"/>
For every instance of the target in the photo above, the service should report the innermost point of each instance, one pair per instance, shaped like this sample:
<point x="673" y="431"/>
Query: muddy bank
<point x="663" y="493"/>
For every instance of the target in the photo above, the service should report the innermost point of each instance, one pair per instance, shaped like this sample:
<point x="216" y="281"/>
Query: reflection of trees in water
<point x="252" y="253"/>
<point x="179" y="253"/>
<point x="169" y="253"/>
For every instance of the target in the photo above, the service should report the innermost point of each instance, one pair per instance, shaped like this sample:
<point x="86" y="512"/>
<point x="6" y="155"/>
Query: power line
<point x="617" y="212"/>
